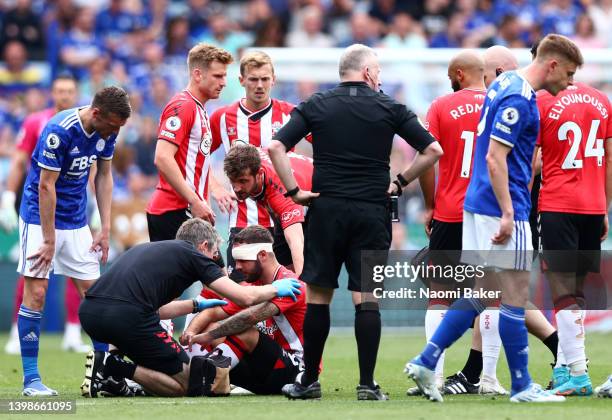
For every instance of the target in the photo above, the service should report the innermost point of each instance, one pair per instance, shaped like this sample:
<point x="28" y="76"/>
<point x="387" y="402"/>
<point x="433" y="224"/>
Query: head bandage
<point x="249" y="251"/>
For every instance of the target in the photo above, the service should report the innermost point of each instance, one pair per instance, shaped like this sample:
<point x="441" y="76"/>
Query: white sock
<point x="433" y="318"/>
<point x="228" y="352"/>
<point x="491" y="342"/>
<point x="72" y="332"/>
<point x="560" y="356"/>
<point x="570" y="325"/>
<point x="14" y="334"/>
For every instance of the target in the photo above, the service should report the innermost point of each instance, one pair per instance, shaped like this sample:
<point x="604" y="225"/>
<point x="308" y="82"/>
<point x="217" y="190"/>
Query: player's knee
<point x="34" y="297"/>
<point x="250" y="337"/>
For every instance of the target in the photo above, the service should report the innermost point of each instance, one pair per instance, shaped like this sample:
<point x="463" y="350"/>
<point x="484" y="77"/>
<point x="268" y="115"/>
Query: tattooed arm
<point x="237" y="323"/>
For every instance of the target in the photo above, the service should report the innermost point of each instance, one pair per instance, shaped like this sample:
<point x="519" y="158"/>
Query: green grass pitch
<point x="63" y="371"/>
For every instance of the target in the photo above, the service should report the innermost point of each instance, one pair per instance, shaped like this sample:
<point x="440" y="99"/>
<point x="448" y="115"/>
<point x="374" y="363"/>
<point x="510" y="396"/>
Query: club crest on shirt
<point x="510" y="116"/>
<point x="100" y="145"/>
<point x="206" y="143"/>
<point x="231" y="131"/>
<point x="53" y="141"/>
<point x="276" y="125"/>
<point x="173" y="123"/>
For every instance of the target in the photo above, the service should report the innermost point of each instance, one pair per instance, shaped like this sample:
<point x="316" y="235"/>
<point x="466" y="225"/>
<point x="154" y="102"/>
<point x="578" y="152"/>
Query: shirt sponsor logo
<point x="289" y="215"/>
<point x="503" y="128"/>
<point x="167" y="134"/>
<point x="48" y="154"/>
<point x="53" y="141"/>
<point x="510" y="116"/>
<point x="100" y="145"/>
<point x="265" y="329"/>
<point x="173" y="123"/>
<point x="83" y="162"/>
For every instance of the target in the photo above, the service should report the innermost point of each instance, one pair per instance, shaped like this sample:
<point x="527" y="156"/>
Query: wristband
<point x="195" y="306"/>
<point x="402" y="181"/>
<point x="292" y="192"/>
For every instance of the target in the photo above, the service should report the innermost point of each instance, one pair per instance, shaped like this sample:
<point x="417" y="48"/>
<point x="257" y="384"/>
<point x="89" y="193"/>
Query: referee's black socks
<point x="316" y="330"/>
<point x="367" y="334"/>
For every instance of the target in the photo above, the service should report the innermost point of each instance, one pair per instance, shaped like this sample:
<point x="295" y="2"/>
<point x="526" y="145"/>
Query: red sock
<point x="18" y="297"/>
<point x="72" y="302"/>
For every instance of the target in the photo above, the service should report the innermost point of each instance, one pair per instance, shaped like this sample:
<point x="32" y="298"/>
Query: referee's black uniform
<point x="352" y="129"/>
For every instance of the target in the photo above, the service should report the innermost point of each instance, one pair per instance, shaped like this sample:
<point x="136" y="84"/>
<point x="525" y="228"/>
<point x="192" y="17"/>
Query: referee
<point x="352" y="128"/>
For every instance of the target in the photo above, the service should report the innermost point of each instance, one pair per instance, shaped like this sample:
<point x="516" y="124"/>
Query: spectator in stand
<point x="128" y="181"/>
<point x="156" y="97"/>
<point x="435" y="16"/>
<point x="560" y="17"/>
<point x="57" y="22"/>
<point x="339" y="17"/>
<point x="310" y="32"/>
<point x="363" y="31"/>
<point x="99" y="76"/>
<point x="152" y="65"/>
<point x="226" y="34"/>
<point x="16" y="75"/>
<point x="454" y="34"/>
<point x="80" y="46"/>
<point x="508" y="34"/>
<point x="601" y="13"/>
<point x="271" y="33"/>
<point x="405" y="33"/>
<point x="177" y="39"/>
<point x="21" y="24"/>
<point x="199" y="12"/>
<point x="113" y="23"/>
<point x="256" y="13"/>
<point x="481" y="17"/>
<point x="585" y="35"/>
<point x="525" y="10"/>
<point x="145" y="147"/>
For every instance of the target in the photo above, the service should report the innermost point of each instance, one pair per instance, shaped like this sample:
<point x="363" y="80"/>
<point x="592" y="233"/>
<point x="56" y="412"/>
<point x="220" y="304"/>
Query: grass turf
<point x="63" y="371"/>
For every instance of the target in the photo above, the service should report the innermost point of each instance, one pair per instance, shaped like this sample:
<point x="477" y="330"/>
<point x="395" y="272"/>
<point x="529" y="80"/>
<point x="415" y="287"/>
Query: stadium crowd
<point x="137" y="44"/>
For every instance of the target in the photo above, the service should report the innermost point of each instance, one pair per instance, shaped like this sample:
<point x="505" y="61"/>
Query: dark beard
<point x="456" y="86"/>
<point x="256" y="274"/>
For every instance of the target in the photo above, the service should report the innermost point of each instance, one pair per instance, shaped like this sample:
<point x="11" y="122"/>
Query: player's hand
<point x="287" y="288"/>
<point x="225" y="199"/>
<point x="40" y="262"/>
<point x="427" y="219"/>
<point x="201" y="339"/>
<point x="101" y="244"/>
<point x="201" y="209"/>
<point x="8" y="215"/>
<point x="210" y="303"/>
<point x="304" y="197"/>
<point x="186" y="337"/>
<point x="394" y="189"/>
<point x="605" y="229"/>
<point x="506" y="227"/>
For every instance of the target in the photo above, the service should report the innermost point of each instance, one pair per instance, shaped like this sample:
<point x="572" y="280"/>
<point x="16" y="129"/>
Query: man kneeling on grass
<point x="124" y="308"/>
<point x="264" y="342"/>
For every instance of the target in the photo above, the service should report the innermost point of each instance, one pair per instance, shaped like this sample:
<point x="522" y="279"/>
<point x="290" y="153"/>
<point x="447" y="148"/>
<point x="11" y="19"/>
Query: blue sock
<point x="457" y="320"/>
<point x="28" y="325"/>
<point x="99" y="346"/>
<point x="513" y="333"/>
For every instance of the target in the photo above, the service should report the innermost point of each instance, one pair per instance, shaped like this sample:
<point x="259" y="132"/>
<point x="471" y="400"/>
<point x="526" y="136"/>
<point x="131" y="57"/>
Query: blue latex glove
<point x="210" y="303"/>
<point x="287" y="288"/>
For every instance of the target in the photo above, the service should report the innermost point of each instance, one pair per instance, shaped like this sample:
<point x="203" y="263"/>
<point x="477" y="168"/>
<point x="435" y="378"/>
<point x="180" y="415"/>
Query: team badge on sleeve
<point x="173" y="123"/>
<point x="100" y="145"/>
<point x="510" y="116"/>
<point x="53" y="141"/>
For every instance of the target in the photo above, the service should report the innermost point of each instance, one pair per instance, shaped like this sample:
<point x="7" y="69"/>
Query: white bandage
<point x="249" y="251"/>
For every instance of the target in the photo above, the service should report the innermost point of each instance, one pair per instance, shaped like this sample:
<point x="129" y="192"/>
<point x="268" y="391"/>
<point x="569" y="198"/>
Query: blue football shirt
<point x="64" y="147"/>
<point x="510" y="116"/>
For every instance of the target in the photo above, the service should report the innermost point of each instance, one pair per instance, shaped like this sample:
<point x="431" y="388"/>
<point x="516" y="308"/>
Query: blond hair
<point x="555" y="45"/>
<point x="201" y="55"/>
<point x="255" y="59"/>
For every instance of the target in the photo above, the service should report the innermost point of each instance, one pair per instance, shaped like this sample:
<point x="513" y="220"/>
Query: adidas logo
<point x="75" y="151"/>
<point x="30" y="337"/>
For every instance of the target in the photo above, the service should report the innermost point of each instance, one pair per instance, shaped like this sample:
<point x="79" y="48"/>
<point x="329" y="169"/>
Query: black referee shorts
<point x="135" y="331"/>
<point x="570" y="242"/>
<point x="337" y="231"/>
<point x="445" y="243"/>
<point x="163" y="227"/>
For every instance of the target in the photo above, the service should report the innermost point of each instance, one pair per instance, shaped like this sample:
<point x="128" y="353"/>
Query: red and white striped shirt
<point x="236" y="122"/>
<point x="286" y="328"/>
<point x="184" y="123"/>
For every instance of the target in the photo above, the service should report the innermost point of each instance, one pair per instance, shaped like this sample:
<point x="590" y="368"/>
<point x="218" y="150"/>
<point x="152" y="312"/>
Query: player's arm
<point x="287" y="137"/>
<point x="427" y="181"/>
<point x="252" y="295"/>
<point x="608" y="152"/>
<point x="498" y="174"/>
<point x="237" y="323"/>
<point x="224" y="198"/>
<point x="169" y="169"/>
<point x="47" y="202"/>
<point x="294" y="235"/>
<point x="178" y="308"/>
<point x="103" y="183"/>
<point x="536" y="165"/>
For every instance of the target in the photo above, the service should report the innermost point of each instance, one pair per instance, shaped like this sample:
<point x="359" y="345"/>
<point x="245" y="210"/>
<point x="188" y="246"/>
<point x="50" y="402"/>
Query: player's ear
<point x="241" y="80"/>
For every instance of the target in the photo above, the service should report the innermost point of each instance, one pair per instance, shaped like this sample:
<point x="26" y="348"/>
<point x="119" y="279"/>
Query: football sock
<point x="552" y="342"/>
<point x="118" y="367"/>
<point x="316" y="330"/>
<point x="28" y="324"/>
<point x="367" y="334"/>
<point x="457" y="320"/>
<point x="233" y="348"/>
<point x="99" y="346"/>
<point x="72" y="302"/>
<point x="433" y="318"/>
<point x="513" y="333"/>
<point x="473" y="366"/>
<point x="570" y="327"/>
<point x="491" y="341"/>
